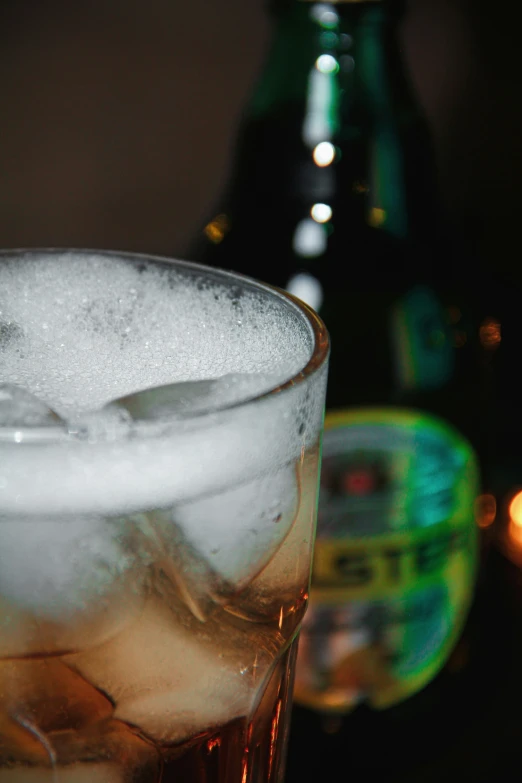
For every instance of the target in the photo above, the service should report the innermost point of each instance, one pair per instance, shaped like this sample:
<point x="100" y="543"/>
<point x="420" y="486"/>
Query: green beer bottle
<point x="333" y="196"/>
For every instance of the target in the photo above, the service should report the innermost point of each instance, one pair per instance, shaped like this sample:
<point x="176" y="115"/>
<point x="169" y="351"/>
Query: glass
<point x="156" y="527"/>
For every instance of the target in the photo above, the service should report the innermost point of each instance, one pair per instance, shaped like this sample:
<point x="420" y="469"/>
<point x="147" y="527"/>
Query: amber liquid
<point x="141" y="688"/>
<point x="64" y="731"/>
<point x="246" y="749"/>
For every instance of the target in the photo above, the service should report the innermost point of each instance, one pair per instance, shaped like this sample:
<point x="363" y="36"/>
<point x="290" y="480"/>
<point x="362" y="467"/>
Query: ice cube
<point x="218" y="544"/>
<point x="40" y="697"/>
<point x="47" y="694"/>
<point x="280" y="590"/>
<point x="107" y="752"/>
<point x="174" y="399"/>
<point x="20" y="408"/>
<point x="111" y="743"/>
<point x="174" y="677"/>
<point x="21" y="746"/>
<point x="193" y="397"/>
<point x="66" y="583"/>
<point x="55" y="726"/>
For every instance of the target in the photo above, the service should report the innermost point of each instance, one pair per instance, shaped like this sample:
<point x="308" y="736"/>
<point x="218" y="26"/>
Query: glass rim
<point x="321" y="343"/>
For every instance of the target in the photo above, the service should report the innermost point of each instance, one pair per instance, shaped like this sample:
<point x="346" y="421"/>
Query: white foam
<point x="193" y="459"/>
<point x="79" y="330"/>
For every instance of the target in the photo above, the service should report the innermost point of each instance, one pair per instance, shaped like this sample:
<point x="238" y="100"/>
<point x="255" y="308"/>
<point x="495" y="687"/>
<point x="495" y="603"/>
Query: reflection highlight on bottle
<point x="321" y="117"/>
<point x="325" y="14"/>
<point x="307" y="288"/>
<point x="324" y="154"/>
<point x="327" y="63"/>
<point x="309" y="240"/>
<point x="321" y="213"/>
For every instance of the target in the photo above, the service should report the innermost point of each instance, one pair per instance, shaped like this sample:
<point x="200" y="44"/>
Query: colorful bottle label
<point x="395" y="558"/>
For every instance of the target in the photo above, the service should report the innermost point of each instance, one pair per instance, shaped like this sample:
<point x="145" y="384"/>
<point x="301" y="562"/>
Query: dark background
<point x="118" y="116"/>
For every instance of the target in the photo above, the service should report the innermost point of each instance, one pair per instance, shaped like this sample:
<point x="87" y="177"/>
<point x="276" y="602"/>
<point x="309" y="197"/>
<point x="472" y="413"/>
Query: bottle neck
<point x="317" y="49"/>
<point x="333" y="119"/>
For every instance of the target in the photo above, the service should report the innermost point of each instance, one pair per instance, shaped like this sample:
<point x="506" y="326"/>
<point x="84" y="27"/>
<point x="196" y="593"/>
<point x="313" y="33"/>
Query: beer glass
<point x="160" y="426"/>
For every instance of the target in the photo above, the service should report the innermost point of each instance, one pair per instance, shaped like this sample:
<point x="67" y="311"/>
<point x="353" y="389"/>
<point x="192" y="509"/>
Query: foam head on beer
<point x="78" y="332"/>
<point x="97" y="347"/>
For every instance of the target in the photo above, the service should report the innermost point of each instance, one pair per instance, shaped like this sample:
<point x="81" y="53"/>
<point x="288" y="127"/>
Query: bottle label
<point x="395" y="559"/>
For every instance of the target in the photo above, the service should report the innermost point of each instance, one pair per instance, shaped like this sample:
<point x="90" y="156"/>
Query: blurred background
<point x="119" y="116"/>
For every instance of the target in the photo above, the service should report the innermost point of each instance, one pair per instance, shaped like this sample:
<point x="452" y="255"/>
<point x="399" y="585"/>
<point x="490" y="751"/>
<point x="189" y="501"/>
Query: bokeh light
<point x="324" y="154"/>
